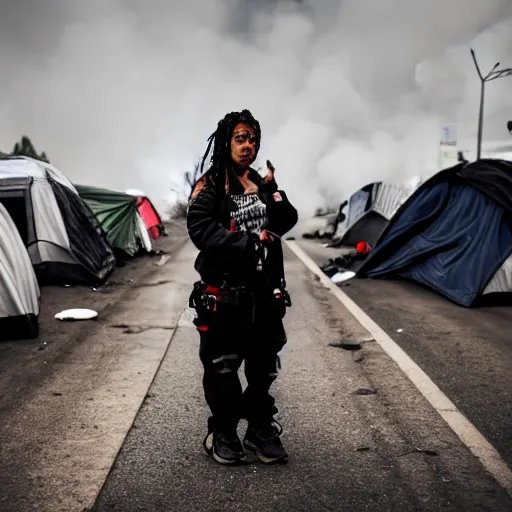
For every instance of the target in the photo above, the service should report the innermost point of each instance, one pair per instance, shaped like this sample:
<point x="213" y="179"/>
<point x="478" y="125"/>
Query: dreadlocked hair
<point x="220" y="161"/>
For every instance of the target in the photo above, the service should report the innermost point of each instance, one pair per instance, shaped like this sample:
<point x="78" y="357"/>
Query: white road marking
<point x="465" y="430"/>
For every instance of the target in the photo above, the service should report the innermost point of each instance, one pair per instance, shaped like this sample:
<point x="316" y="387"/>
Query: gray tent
<point x="19" y="291"/>
<point x="369" y="211"/>
<point x="65" y="241"/>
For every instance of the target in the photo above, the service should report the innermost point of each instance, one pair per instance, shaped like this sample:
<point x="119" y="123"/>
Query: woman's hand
<point x="270" y="172"/>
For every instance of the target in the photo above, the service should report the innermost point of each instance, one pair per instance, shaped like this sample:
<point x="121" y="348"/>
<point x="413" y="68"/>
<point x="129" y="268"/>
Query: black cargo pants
<point x="251" y="331"/>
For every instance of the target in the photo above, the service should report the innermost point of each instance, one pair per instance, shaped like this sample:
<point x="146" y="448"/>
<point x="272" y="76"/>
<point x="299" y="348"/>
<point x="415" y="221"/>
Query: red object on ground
<point x="363" y="248"/>
<point x="150" y="217"/>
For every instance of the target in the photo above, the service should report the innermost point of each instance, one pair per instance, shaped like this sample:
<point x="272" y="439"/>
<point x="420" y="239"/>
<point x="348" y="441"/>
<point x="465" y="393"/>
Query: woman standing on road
<point x="236" y="218"/>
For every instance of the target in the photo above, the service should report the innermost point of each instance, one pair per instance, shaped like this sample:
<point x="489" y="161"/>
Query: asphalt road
<point x="359" y="435"/>
<point x="68" y="398"/>
<point x="467" y="352"/>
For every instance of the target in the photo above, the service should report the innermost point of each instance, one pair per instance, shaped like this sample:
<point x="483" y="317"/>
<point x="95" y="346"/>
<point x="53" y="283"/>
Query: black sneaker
<point x="224" y="446"/>
<point x="264" y="441"/>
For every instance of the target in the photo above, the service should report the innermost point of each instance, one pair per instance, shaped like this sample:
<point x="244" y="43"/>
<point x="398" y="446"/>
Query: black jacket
<point x="231" y="257"/>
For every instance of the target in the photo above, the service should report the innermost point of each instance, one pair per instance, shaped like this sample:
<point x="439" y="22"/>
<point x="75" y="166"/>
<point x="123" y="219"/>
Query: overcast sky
<point x="124" y="94"/>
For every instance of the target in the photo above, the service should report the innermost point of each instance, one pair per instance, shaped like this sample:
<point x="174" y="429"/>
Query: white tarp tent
<point x="63" y="238"/>
<point x="19" y="290"/>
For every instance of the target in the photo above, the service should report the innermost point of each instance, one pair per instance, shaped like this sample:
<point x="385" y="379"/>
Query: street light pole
<point x="480" y="120"/>
<point x="492" y="75"/>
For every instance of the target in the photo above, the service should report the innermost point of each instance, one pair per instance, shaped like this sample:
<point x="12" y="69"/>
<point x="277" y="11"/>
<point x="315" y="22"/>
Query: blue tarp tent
<point x="454" y="234"/>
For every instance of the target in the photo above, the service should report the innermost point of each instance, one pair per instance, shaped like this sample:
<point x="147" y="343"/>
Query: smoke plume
<point x="124" y="94"/>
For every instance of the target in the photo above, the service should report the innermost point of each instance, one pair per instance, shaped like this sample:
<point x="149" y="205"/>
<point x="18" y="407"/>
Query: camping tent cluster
<point x="50" y="234"/>
<point x="453" y="234"/>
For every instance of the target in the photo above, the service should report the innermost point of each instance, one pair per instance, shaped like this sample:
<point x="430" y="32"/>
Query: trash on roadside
<point x="399" y="330"/>
<point x="103" y="288"/>
<point x="162" y="261"/>
<point x="338" y="268"/>
<point x="70" y="315"/>
<point x="342" y="277"/>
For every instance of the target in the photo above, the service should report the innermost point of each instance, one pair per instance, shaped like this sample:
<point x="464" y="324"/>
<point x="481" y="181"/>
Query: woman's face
<point x="243" y="146"/>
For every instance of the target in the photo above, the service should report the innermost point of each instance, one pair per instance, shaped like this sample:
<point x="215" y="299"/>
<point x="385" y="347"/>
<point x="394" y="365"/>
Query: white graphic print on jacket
<point x="251" y="214"/>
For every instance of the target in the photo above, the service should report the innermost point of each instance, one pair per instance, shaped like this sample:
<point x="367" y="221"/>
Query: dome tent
<point x="120" y="218"/>
<point x="65" y="242"/>
<point x="19" y="290"/>
<point x="453" y="235"/>
<point x="149" y="213"/>
<point x="369" y="211"/>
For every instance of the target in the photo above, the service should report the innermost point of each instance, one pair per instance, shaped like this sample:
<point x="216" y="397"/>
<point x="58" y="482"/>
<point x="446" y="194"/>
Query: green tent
<point x="119" y="216"/>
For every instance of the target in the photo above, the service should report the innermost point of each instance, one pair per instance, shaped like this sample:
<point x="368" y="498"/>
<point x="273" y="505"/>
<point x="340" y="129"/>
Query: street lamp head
<point x="476" y="64"/>
<point x="500" y="73"/>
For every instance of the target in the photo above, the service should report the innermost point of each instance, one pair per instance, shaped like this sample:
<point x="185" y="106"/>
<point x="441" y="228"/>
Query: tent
<point x="65" y="242"/>
<point x="19" y="290"/>
<point x="119" y="216"/>
<point x="369" y="211"/>
<point x="150" y="216"/>
<point x="149" y="213"/>
<point x="453" y="235"/>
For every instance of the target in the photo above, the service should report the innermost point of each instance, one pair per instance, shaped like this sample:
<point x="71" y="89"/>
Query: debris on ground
<point x="347" y="345"/>
<point x="365" y="392"/>
<point x="431" y="453"/>
<point x="339" y="269"/>
<point x="103" y="288"/>
<point x="134" y="330"/>
<point x="358" y="356"/>
<point x="70" y="315"/>
<point x="162" y="261"/>
<point x="342" y="277"/>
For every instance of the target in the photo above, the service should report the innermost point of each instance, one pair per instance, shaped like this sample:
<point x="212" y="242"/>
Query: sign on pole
<point x="448" y="146"/>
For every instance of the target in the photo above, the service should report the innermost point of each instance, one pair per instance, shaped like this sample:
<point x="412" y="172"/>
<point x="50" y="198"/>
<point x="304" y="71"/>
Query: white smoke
<point x="124" y="94"/>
